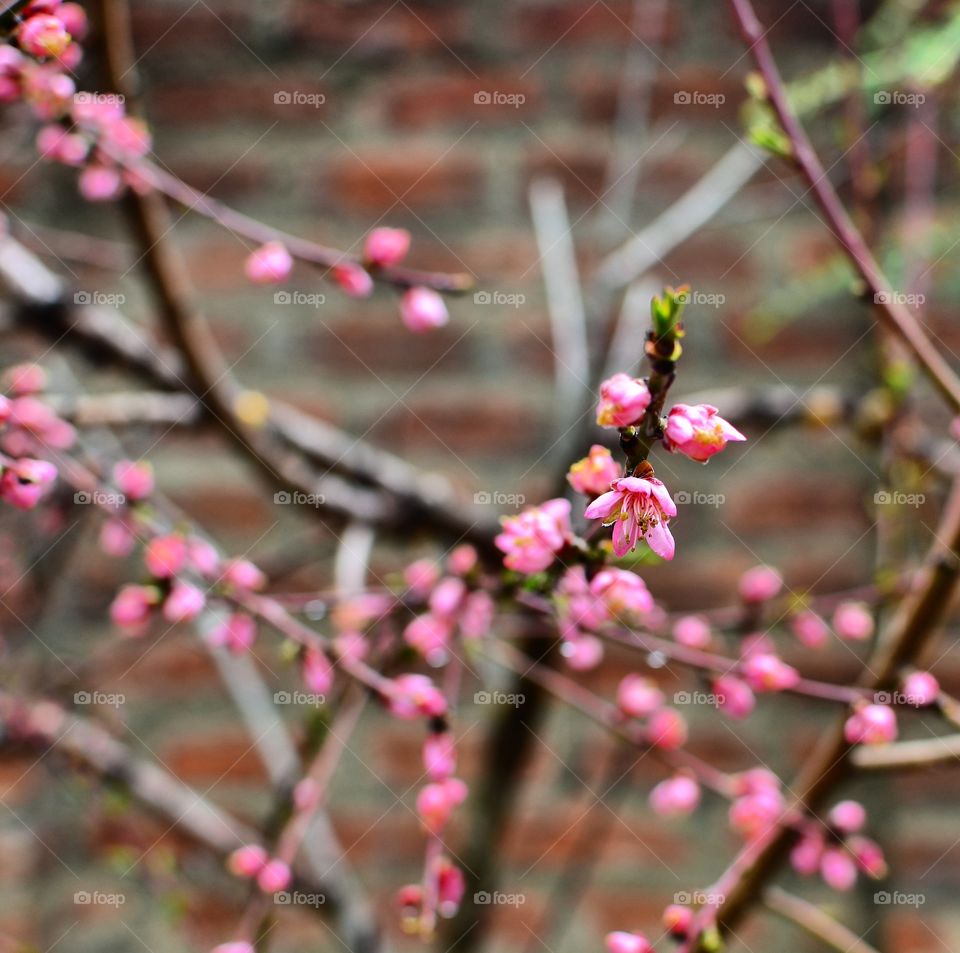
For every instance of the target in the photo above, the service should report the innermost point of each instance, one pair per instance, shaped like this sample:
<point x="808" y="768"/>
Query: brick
<point x="212" y="757"/>
<point x="581" y="169"/>
<point x="283" y="99"/>
<point x="566" y="24"/>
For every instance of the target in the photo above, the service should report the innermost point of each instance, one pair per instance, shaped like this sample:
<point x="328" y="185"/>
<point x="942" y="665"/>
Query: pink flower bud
<point x="117" y="539"/>
<point x="848" y="817"/>
<point x="234" y="946"/>
<point x="55" y="144"/>
<point x="734" y="697"/>
<point x="809" y="629"/>
<point x="594" y="473"/>
<point x="203" y="557"/>
<point x="869" y="857"/>
<point x="353" y="280"/>
<point x="165" y="556"/>
<point x="274" y="876"/>
<point x="753" y="814"/>
<point x="237" y="632"/>
<point x="317" y="671"/>
<point x="247" y="861"/>
<point x="532" y="539"/>
<point x="677" y="920"/>
<point x="43" y="35"/>
<point x="450" y="887"/>
<point x="421" y="576"/>
<point x="25" y="481"/>
<point x="582" y="652"/>
<point x="768" y="673"/>
<point x="436" y="801"/>
<point x="448" y="596"/>
<point x="184" y="603"/>
<point x="758" y="781"/>
<point x="386" y="246"/>
<point x="134" y="479"/>
<point x="921" y="689"/>
<point x="852" y="620"/>
<point x="676" y="796"/>
<point x="132" y="606"/>
<point x="477" y="615"/>
<point x="667" y="729"/>
<point x="243" y="575"/>
<point x="73" y="17"/>
<point x="430" y="636"/>
<point x="692" y="631"/>
<point x="620" y="942"/>
<point x="24" y="380"/>
<point x="623" y="401"/>
<point x="805" y="856"/>
<point x="422" y="309"/>
<point x="871" y="725"/>
<point x="413" y="696"/>
<point x="100" y="183"/>
<point x="638" y="696"/>
<point x="462" y="559"/>
<point x="760" y="584"/>
<point x="623" y="593"/>
<point x="439" y="756"/>
<point x="269" y="264"/>
<point x="698" y="431"/>
<point x="838" y="868"/>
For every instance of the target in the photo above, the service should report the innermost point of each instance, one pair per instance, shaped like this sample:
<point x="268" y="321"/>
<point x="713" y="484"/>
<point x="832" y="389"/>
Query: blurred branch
<point x="814" y="921"/>
<point x="925" y="753"/>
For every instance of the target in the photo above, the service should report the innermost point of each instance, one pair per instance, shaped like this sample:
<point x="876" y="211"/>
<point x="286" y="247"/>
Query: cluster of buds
<point x="252" y="862"/>
<point x="28" y="428"/>
<point x="639" y="698"/>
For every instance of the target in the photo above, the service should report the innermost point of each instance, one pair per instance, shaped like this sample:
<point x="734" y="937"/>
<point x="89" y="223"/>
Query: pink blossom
<point x="698" y="431"/>
<point x="430" y="635"/>
<point x="439" y="756"/>
<point x="421" y="576"/>
<point x="99" y="183"/>
<point x="275" y="875"/>
<point x="760" y="584"/>
<point x="621" y="942"/>
<point x="386" y="246"/>
<point x="810" y="629"/>
<point x="462" y="559"/>
<point x="422" y="309"/>
<point x="128" y="136"/>
<point x="753" y="814"/>
<point x="25" y="481"/>
<point x="450" y="887"/>
<point x="23" y="380"/>
<point x="117" y="539"/>
<point x="623" y="593"/>
<point x="692" y="631"/>
<point x="166" y="555"/>
<point x="853" y="620"/>
<point x="243" y="575"/>
<point x="47" y="91"/>
<point x="247" y="861"/>
<point x="134" y="478"/>
<point x="678" y="920"/>
<point x="477" y="615"/>
<point x="269" y="264"/>
<point x="582" y="652"/>
<point x="638" y="696"/>
<point x="58" y="145"/>
<point x="848" y="817"/>
<point x="869" y="856"/>
<point x="412" y="696"/>
<point x="921" y="689"/>
<point x="317" y="671"/>
<point x="43" y="35"/>
<point x="595" y="472"/>
<point x="532" y="539"/>
<point x="355" y="613"/>
<point x="871" y="725"/>
<point x="765" y="672"/>
<point x="237" y="632"/>
<point x="676" y="796"/>
<point x="73" y="17"/>
<point x="667" y="729"/>
<point x="132" y="606"/>
<point x="353" y="280"/>
<point x="184" y="603"/>
<point x="805" y="855"/>
<point x="838" y="868"/>
<point x="637" y="508"/>
<point x="623" y="401"/>
<point x="203" y="557"/>
<point x="436" y="801"/>
<point x="734" y="697"/>
<point x="448" y="596"/>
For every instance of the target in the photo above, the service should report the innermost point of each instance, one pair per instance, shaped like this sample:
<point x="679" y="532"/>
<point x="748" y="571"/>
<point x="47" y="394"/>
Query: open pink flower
<point x="698" y="431"/>
<point x="532" y="538"/>
<point x="638" y="508"/>
<point x="595" y="472"/>
<point x="623" y="401"/>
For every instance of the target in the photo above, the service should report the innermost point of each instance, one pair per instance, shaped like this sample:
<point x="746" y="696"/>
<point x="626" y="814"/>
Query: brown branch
<point x="925" y="753"/>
